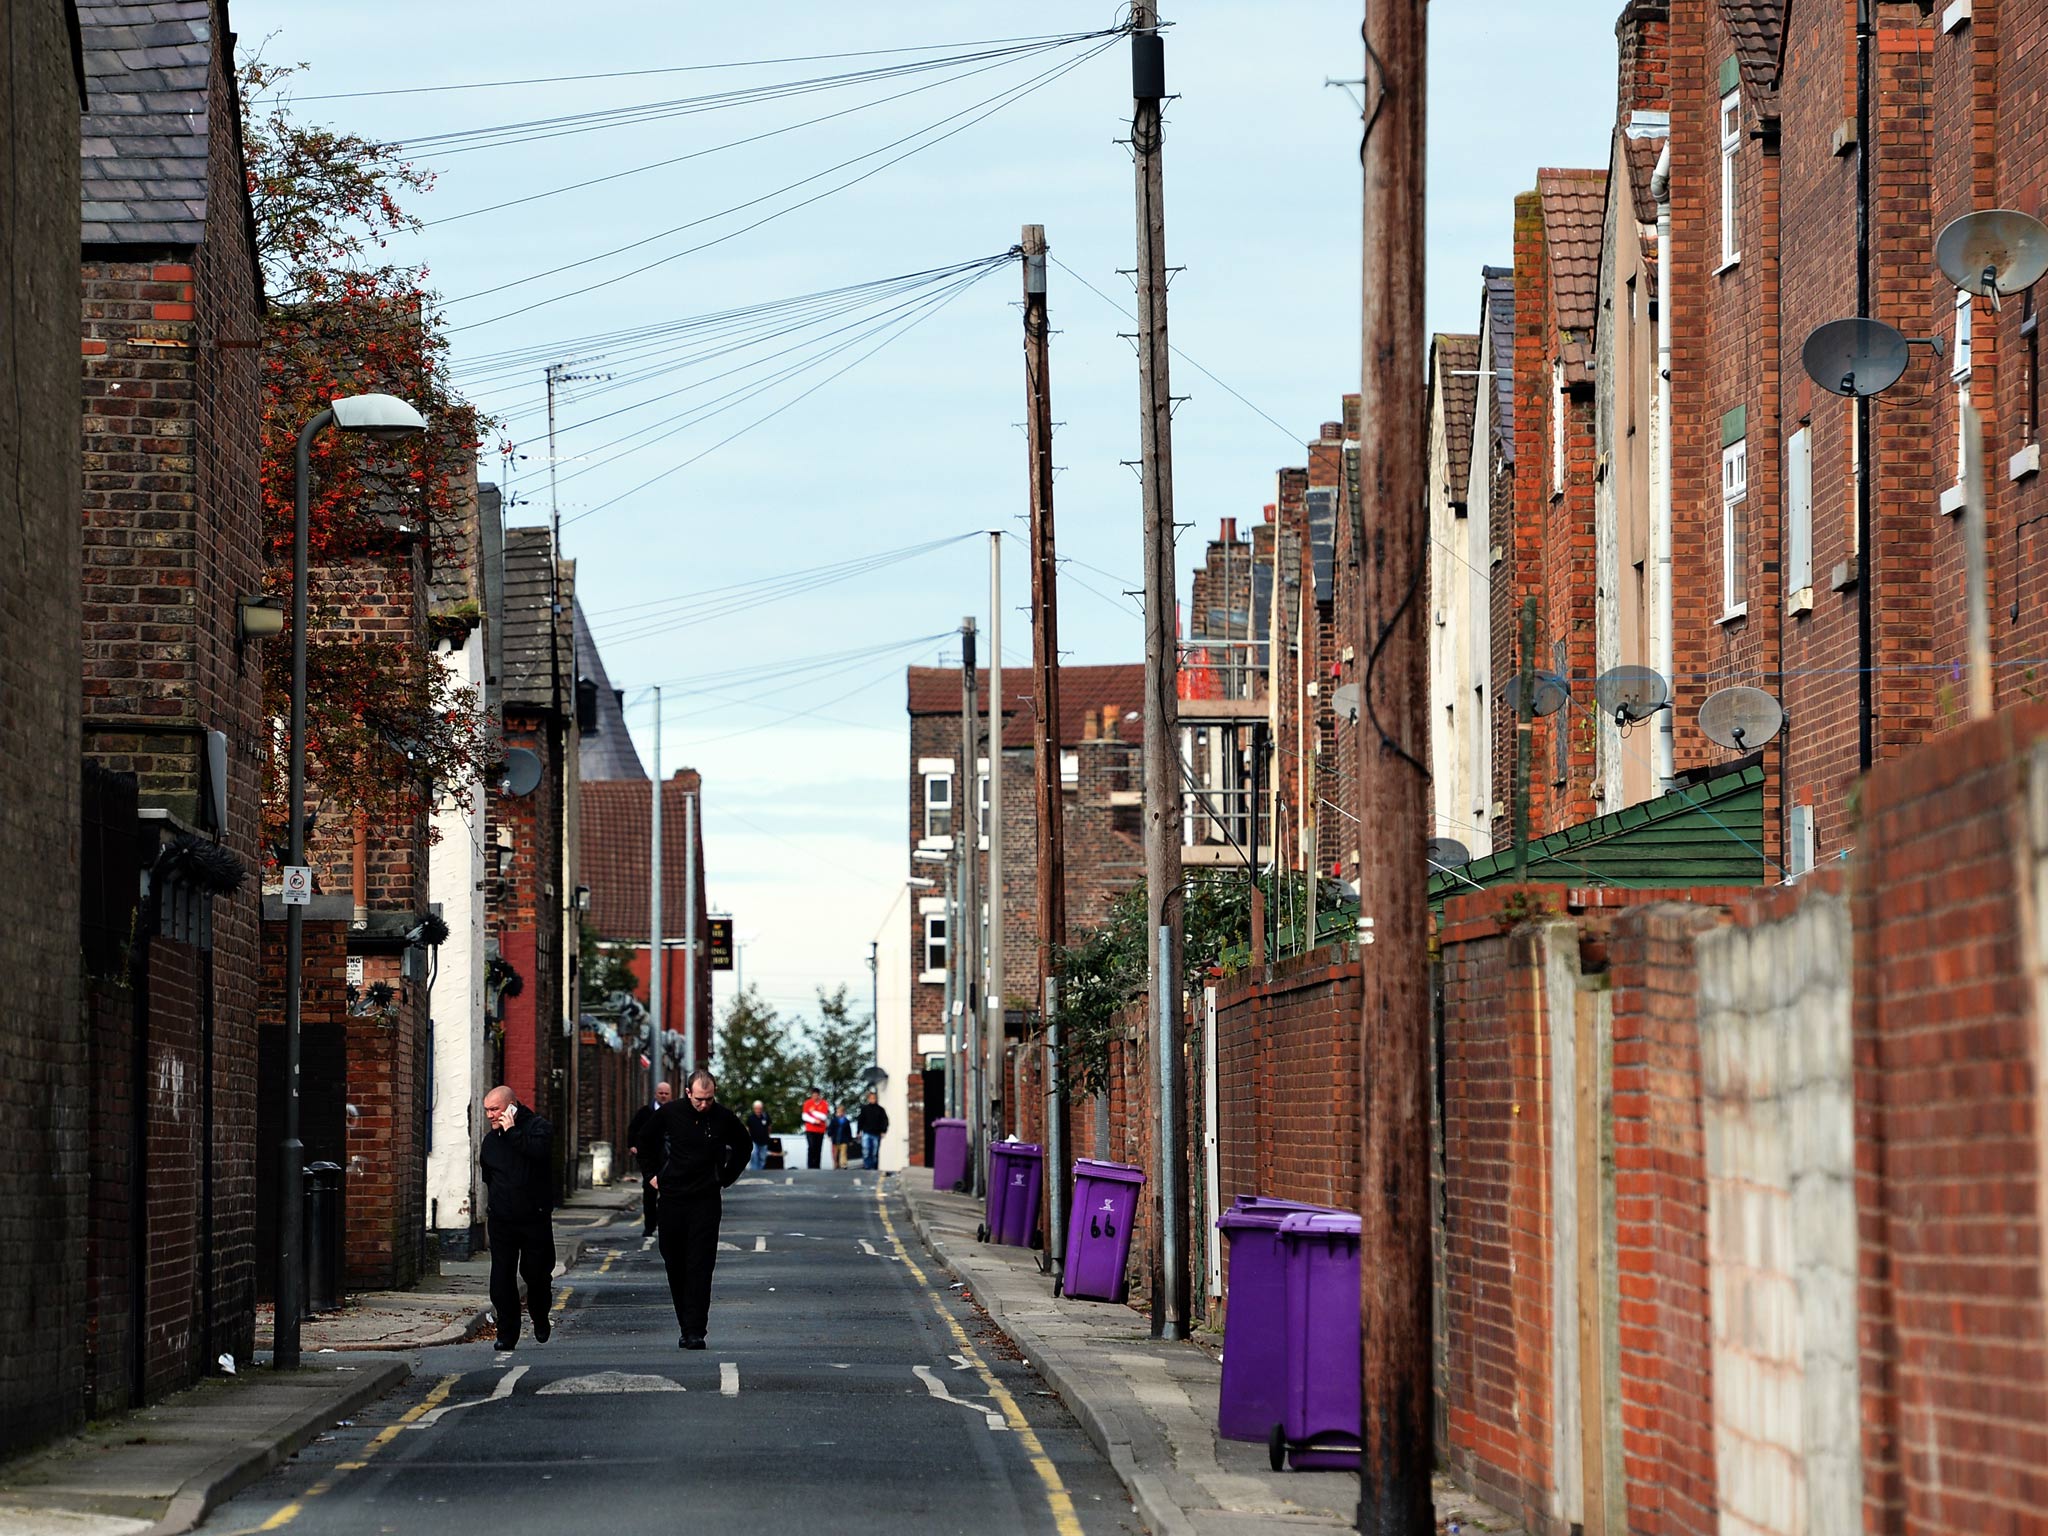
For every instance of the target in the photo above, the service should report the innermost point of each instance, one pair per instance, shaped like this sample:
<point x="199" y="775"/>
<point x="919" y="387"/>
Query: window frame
<point x="1799" y="519"/>
<point x="1734" y="502"/>
<point x="932" y="779"/>
<point x="944" y="945"/>
<point x="1731" y="146"/>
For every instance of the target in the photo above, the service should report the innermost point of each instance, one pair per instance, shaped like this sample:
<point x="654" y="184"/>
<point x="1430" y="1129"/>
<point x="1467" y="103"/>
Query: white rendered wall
<point x="455" y="877"/>
<point x="897" y="1056"/>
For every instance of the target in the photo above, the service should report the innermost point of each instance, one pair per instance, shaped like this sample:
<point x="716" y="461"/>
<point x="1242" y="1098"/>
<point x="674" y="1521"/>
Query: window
<point x="938" y="805"/>
<point x="1799" y="521"/>
<point x="1557" y="429"/>
<point x="981" y="798"/>
<point x="934" y="947"/>
<point x="1959" y="370"/>
<point x="1734" y="529"/>
<point x="1799" y="847"/>
<point x="1731" y="141"/>
<point x="1070" y="769"/>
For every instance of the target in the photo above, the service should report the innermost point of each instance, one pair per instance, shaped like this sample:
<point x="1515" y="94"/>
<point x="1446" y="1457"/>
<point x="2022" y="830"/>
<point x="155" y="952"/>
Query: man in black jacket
<point x="520" y="1177"/>
<point x="705" y="1147"/>
<point x="874" y="1125"/>
<point x="644" y="1143"/>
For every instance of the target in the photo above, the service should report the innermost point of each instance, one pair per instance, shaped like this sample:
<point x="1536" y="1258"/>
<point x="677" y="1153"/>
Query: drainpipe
<point x="1666" y="756"/>
<point x="360" y="874"/>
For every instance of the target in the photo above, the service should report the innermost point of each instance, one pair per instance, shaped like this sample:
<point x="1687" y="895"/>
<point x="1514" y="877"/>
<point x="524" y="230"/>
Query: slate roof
<point x="1497" y="307"/>
<point x="524" y="681"/>
<point x="608" y="751"/>
<point x="1758" y="27"/>
<point x="1456" y="361"/>
<point x="1084" y="693"/>
<point x="615" y="854"/>
<point x="1574" y="209"/>
<point x="143" y="141"/>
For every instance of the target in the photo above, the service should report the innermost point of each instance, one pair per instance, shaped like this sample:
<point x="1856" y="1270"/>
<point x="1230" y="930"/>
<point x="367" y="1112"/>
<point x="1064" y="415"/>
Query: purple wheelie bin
<point x="949" y="1153"/>
<point x="1254" y="1329"/>
<point x="1321" y="1407"/>
<point x="1099" y="1229"/>
<point x="1015" y="1171"/>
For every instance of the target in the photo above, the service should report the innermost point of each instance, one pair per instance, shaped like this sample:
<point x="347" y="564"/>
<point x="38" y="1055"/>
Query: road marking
<point x="725" y="1247"/>
<point x="760" y="1245"/>
<point x="729" y="1378"/>
<point x="561" y="1300"/>
<point x="420" y="1410"/>
<point x="937" y="1389"/>
<point x="1065" y="1522"/>
<point x="646" y="1243"/>
<point x="499" y="1393"/>
<point x="962" y="1363"/>
<point x="609" y="1381"/>
<point x="790" y="1180"/>
<point x="869" y="1249"/>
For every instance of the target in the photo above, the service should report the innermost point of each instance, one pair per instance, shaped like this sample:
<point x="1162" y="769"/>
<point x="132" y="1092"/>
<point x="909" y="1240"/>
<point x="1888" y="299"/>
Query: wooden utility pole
<point x="1162" y="700"/>
<point x="1393" y="793"/>
<point x="1045" y="694"/>
<point x="997" y="1037"/>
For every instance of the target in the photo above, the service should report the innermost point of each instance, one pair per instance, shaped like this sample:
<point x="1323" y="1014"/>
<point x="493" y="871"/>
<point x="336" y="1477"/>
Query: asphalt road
<point x="847" y="1388"/>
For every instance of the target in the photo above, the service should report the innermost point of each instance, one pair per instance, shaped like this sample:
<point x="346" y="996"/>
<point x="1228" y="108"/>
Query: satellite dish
<point x="1345" y="701"/>
<point x="1552" y="694"/>
<point x="1448" y="853"/>
<point x="1854" y="357"/>
<point x="522" y="772"/>
<point x="1993" y="251"/>
<point x="1741" y="718"/>
<point x="1631" y="693"/>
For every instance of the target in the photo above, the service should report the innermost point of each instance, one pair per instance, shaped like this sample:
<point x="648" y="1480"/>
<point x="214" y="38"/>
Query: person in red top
<point x="817" y="1114"/>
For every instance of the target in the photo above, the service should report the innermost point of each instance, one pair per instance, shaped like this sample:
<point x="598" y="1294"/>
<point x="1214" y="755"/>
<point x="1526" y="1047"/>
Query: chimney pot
<point x="1333" y="431"/>
<point x="1230" y="530"/>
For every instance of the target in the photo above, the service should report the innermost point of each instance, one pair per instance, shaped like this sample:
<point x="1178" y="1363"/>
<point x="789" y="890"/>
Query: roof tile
<point x="1084" y="693"/>
<point x="1456" y="364"/>
<point x="1574" y="210"/>
<point x="144" y="138"/>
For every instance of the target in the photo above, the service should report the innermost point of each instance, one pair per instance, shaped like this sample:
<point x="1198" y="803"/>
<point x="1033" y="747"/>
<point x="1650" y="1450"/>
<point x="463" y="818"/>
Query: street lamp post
<point x="380" y="416"/>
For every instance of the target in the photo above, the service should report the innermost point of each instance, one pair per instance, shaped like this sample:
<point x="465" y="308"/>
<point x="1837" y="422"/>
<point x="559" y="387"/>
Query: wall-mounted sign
<point x="720" y="947"/>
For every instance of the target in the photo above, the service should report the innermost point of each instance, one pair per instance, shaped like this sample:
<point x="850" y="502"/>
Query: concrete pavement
<point x="1149" y="1407"/>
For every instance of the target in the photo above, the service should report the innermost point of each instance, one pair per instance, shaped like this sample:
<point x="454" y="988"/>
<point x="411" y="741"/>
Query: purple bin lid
<point x="1341" y="1224"/>
<point x="1088" y="1168"/>
<point x="1264" y="1213"/>
<point x="1017" y="1148"/>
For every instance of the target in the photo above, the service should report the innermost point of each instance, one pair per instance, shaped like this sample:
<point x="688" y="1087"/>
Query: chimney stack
<point x="1230" y="530"/>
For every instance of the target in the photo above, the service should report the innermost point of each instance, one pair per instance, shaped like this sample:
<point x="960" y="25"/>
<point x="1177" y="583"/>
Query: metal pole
<point x="1162" y="703"/>
<point x="1166" y="1037"/>
<point x="291" y="1194"/>
<point x="1055" y="1141"/>
<point x="952" y="1025"/>
<point x="966" y="835"/>
<point x="997" y="1033"/>
<point x="655" y="953"/>
<point x="875" y="1004"/>
<point x="692" y="1059"/>
<point x="1394" y="1052"/>
<point x="1525" y="727"/>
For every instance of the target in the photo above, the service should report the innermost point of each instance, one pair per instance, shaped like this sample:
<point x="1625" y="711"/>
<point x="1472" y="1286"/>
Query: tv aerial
<point x="522" y="772"/>
<point x="1551" y="694"/>
<point x="1859" y="357"/>
<point x="1993" y="251"/>
<point x="1631" y="694"/>
<point x="1741" y="718"/>
<point x="1448" y="853"/>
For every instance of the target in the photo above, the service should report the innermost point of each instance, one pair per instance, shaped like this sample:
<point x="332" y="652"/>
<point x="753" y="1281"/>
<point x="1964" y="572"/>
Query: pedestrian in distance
<point x="873" y="1124"/>
<point x="704" y="1148"/>
<point x="817" y="1118"/>
<point x="519" y="1178"/>
<point x="646" y="1152"/>
<point x="758" y="1132"/>
<point x="842" y="1137"/>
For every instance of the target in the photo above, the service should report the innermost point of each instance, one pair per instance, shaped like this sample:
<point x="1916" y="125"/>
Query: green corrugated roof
<point x="1709" y="833"/>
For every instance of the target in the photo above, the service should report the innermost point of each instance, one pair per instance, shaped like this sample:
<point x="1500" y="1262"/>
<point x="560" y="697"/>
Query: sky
<point x="883" y="426"/>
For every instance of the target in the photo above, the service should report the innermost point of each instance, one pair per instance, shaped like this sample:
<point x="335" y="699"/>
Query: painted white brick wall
<point x="1781" y="1236"/>
<point x="455" y="876"/>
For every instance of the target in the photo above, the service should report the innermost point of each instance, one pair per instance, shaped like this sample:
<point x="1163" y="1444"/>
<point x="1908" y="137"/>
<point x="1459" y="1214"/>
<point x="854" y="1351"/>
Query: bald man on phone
<point x="519" y="1174"/>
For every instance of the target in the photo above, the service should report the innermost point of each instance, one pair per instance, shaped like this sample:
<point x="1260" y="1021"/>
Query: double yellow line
<point x="383" y="1437"/>
<point x="1063" y="1517"/>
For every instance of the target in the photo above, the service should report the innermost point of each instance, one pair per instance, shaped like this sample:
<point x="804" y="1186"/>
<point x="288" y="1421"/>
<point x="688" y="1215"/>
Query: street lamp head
<point x="379" y="416"/>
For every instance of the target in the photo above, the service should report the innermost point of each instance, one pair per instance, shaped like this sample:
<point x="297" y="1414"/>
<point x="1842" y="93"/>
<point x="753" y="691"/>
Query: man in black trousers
<point x="705" y="1146"/>
<point x="644" y="1142"/>
<point x="519" y="1175"/>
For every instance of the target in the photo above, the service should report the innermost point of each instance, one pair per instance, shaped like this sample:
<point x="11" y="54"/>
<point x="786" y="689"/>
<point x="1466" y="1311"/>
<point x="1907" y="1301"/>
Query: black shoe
<point x="693" y="1341"/>
<point x="506" y="1345"/>
<point x="541" y="1329"/>
<point x="682" y="1341"/>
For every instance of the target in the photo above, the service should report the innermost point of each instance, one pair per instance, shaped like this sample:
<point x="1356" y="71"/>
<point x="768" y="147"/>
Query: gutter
<point x="1665" y="758"/>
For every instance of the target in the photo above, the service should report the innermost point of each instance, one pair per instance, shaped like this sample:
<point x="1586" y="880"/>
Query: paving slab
<point x="1149" y="1406"/>
<point x="161" y="1469"/>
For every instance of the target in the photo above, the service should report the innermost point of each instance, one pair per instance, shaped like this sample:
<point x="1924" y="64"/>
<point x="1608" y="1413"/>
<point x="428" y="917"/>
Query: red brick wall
<point x="1660" y="1224"/>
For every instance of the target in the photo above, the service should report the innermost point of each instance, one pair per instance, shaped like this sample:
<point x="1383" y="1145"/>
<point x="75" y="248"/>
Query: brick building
<point x="1460" y="772"/>
<point x="531" y="836"/>
<point x="44" y="1125"/>
<point x="172" y="692"/>
<point x="1101" y="731"/>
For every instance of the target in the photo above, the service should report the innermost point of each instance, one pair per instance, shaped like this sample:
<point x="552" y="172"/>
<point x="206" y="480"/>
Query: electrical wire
<point x="900" y="331"/>
<point x="994" y="104"/>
